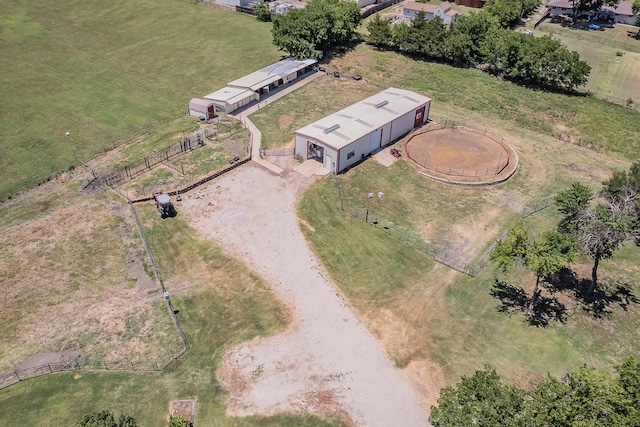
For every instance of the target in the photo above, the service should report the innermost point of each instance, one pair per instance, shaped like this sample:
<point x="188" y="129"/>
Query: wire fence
<point x="185" y="145"/>
<point x="17" y="375"/>
<point x="501" y="163"/>
<point x="449" y="256"/>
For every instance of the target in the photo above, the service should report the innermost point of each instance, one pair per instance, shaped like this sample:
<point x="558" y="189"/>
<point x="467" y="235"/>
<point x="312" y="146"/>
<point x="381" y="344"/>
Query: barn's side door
<point x="419" y="117"/>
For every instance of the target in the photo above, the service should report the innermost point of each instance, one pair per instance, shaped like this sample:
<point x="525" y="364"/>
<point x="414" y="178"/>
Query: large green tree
<point x="579" y="6"/>
<point x="106" y="419"/>
<point x="570" y="202"/>
<point x="379" y="30"/>
<point x="312" y="31"/>
<point x="479" y="400"/>
<point x="262" y="12"/>
<point x="543" y="255"/>
<point x="583" y="397"/>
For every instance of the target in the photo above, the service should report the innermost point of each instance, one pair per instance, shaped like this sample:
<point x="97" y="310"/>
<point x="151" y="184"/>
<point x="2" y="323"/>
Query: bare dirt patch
<point x="327" y="363"/>
<point x="183" y="408"/>
<point x="285" y="122"/>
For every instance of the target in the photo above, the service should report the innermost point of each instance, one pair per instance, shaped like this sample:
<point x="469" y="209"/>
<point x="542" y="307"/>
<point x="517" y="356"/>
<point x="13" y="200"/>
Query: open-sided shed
<point x="202" y="108"/>
<point x="349" y="135"/>
<point x="229" y="99"/>
<point x="272" y="76"/>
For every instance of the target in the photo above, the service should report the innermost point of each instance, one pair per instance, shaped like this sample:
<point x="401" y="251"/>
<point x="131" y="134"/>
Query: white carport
<point x="344" y="138"/>
<point x="272" y="76"/>
<point x="229" y="99"/>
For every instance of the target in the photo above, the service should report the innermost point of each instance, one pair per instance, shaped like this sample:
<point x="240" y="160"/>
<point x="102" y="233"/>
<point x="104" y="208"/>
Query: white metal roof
<point x="197" y="102"/>
<point x="230" y="95"/>
<point x="352" y="123"/>
<point x="271" y="74"/>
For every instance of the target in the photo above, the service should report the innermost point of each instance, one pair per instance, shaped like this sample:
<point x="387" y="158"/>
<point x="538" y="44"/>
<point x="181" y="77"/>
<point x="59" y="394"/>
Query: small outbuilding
<point x="202" y="108"/>
<point x="344" y="138"/>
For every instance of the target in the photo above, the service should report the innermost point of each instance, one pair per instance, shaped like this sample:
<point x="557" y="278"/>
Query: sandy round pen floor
<point x="327" y="363"/>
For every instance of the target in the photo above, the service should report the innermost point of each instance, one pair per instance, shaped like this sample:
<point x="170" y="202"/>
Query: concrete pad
<point x="384" y="157"/>
<point x="311" y="167"/>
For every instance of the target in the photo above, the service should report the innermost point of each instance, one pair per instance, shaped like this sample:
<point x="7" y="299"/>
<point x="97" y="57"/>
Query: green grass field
<point x="435" y="319"/>
<point x="97" y="70"/>
<point x="612" y="75"/>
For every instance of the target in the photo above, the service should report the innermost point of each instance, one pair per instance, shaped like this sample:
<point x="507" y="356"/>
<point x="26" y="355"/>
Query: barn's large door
<point x="211" y="112"/>
<point x="419" y="117"/>
<point x="328" y="162"/>
<point x="374" y="140"/>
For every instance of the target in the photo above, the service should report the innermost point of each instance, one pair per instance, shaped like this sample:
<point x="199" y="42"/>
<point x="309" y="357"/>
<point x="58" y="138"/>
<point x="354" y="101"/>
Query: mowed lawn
<point x="439" y="324"/>
<point x="615" y="70"/>
<point x="98" y="69"/>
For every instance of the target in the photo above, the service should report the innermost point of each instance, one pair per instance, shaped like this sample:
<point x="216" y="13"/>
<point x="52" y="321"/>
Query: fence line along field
<point x="103" y="71"/>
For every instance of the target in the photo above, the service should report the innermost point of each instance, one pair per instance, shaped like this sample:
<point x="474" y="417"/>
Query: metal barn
<point x="343" y="138"/>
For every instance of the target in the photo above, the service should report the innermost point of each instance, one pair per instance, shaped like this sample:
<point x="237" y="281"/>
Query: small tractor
<point x="163" y="205"/>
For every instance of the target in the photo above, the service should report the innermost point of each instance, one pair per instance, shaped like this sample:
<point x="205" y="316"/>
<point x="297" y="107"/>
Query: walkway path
<point x="256" y="135"/>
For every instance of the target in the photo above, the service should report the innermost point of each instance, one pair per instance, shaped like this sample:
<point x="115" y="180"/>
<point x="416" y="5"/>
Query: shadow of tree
<point x="598" y="303"/>
<point x="514" y="299"/>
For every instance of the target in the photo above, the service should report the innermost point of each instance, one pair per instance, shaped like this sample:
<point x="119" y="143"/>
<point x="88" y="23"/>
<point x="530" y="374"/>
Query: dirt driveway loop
<point x="327" y="362"/>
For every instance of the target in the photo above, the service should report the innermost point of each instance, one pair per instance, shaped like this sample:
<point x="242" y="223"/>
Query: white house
<point x="343" y="138"/>
<point x="202" y="107"/>
<point x="622" y="13"/>
<point x="444" y="11"/>
<point x="251" y="87"/>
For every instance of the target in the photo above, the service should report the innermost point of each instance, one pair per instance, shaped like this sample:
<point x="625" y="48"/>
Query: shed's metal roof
<point x="352" y="123"/>
<point x="230" y="95"/>
<point x="197" y="102"/>
<point x="271" y="74"/>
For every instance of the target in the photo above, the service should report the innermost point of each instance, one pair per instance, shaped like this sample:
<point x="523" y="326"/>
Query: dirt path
<point x="327" y="362"/>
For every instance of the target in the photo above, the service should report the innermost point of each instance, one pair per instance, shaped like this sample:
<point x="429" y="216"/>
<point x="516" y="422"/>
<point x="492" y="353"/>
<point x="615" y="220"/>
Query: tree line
<point x="485" y="39"/>
<point x="582" y="397"/>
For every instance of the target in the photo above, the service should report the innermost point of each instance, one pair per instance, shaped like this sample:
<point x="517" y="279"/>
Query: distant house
<point x="622" y="13"/>
<point x="471" y="3"/>
<point x="444" y="11"/>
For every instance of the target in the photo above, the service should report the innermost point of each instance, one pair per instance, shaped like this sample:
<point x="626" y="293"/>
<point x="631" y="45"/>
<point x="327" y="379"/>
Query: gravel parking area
<point x="327" y="363"/>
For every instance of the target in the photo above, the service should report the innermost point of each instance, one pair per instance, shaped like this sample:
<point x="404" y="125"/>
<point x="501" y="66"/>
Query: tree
<point x="478" y="400"/>
<point x="623" y="185"/>
<point x="475" y="26"/>
<point x="572" y="201"/>
<point x="379" y="31"/>
<point x="106" y="419"/>
<point x="310" y="32"/>
<point x="589" y="5"/>
<point x="543" y="256"/>
<point x="547" y="255"/>
<point x="582" y="397"/>
<point x="602" y="230"/>
<point x="176" y="421"/>
<point x="262" y="12"/>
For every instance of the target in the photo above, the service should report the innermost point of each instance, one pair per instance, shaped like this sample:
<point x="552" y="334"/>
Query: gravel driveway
<point x="327" y="362"/>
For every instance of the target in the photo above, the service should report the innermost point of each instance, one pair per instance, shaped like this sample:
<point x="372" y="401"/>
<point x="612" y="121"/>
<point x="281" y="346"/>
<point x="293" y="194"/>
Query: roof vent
<point x="331" y="129"/>
<point x="381" y="104"/>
